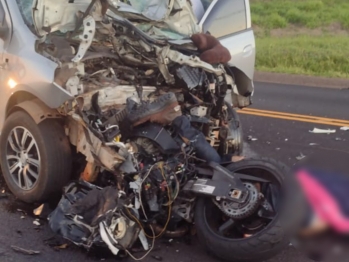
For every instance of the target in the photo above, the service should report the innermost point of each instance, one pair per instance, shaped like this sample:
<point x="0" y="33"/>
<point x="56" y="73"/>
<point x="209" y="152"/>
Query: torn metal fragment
<point x="322" y="131"/>
<point x="251" y="138"/>
<point x="300" y="157"/>
<point x="36" y="222"/>
<point x="25" y="251"/>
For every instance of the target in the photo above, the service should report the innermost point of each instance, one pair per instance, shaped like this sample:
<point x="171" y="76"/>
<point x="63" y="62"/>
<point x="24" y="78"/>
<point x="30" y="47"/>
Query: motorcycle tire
<point x="266" y="243"/>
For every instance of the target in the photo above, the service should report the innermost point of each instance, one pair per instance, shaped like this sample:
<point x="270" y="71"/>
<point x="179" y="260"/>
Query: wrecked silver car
<point x="138" y="99"/>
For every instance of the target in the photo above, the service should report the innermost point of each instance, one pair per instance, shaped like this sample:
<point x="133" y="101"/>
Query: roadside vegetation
<point x="308" y="37"/>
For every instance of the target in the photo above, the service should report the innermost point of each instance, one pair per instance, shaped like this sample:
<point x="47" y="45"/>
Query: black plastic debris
<point x="88" y="215"/>
<point x="82" y="206"/>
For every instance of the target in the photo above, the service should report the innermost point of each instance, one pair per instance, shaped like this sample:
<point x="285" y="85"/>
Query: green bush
<point x="275" y="21"/>
<point x="295" y="16"/>
<point x="311" y="5"/>
<point x="344" y="19"/>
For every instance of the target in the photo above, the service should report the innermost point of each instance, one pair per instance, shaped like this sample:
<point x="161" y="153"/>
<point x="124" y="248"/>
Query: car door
<point x="230" y="22"/>
<point x="5" y="29"/>
<point x="5" y="38"/>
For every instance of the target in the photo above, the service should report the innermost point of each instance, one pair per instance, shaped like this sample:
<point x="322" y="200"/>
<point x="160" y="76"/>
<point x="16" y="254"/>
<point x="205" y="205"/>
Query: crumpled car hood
<point x="161" y="19"/>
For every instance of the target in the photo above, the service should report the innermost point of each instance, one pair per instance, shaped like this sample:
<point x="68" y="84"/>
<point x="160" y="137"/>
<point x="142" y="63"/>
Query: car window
<point x="26" y="8"/>
<point x="226" y="17"/>
<point x="206" y="3"/>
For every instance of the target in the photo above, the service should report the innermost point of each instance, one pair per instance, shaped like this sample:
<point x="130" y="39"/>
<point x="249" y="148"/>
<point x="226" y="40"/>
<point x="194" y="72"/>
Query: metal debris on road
<point x="338" y="139"/>
<point x="286" y="139"/>
<point x="322" y="131"/>
<point x="251" y="138"/>
<point x="36" y="222"/>
<point x="22" y="217"/>
<point x="300" y="157"/>
<point x="313" y="144"/>
<point x="25" y="251"/>
<point x="345" y="128"/>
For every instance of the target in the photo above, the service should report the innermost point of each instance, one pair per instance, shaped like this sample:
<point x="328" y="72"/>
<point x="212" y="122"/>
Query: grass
<point x="319" y="56"/>
<point x="302" y="36"/>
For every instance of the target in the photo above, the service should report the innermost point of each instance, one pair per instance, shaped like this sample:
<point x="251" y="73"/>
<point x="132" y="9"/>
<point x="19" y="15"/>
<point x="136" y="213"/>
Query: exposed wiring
<point x="146" y="254"/>
<point x="141" y="204"/>
<point x="140" y="190"/>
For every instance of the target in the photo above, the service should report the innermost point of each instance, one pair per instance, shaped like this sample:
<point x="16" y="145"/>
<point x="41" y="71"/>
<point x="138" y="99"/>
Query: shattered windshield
<point x="163" y="19"/>
<point x="25" y="7"/>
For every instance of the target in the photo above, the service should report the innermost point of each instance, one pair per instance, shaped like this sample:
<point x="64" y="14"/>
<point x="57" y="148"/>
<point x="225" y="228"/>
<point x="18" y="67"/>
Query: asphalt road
<point x="281" y="139"/>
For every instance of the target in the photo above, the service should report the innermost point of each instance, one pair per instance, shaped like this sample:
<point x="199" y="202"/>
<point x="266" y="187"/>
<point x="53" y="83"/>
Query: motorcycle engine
<point x="163" y="178"/>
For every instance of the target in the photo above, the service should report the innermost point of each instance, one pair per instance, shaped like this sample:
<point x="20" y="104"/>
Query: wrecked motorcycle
<point x="238" y="209"/>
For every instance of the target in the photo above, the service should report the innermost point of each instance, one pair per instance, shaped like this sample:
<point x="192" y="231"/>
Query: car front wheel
<point x="35" y="159"/>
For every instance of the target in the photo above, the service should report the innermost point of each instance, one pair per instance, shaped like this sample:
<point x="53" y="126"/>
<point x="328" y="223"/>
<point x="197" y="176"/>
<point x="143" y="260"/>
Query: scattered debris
<point x="268" y="143"/>
<point x="24" y="214"/>
<point x="251" y="138"/>
<point x="38" y="210"/>
<point x="158" y="258"/>
<point x="338" y="139"/>
<point x="300" y="157"/>
<point x="25" y="251"/>
<point x="177" y="251"/>
<point x="286" y="139"/>
<point x="63" y="246"/>
<point x="322" y="131"/>
<point x="278" y="148"/>
<point x="313" y="144"/>
<point x="36" y="222"/>
<point x="22" y="217"/>
<point x="170" y="240"/>
<point x="345" y="128"/>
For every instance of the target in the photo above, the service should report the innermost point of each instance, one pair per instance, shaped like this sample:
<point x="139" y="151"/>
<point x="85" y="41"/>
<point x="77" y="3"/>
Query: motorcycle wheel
<point x="226" y="238"/>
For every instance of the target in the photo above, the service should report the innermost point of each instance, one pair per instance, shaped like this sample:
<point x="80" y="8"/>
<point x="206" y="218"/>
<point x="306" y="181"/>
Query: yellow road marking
<point x="294" y="117"/>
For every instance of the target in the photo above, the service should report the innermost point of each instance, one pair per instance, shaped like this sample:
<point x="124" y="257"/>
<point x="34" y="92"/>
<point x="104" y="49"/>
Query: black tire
<point x="53" y="157"/>
<point x="266" y="243"/>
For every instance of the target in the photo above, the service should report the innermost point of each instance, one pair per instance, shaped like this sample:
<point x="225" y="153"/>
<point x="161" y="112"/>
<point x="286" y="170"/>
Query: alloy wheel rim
<point x="23" y="158"/>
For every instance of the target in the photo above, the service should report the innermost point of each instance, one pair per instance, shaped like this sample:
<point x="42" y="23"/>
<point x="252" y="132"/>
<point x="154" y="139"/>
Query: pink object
<point x="325" y="206"/>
